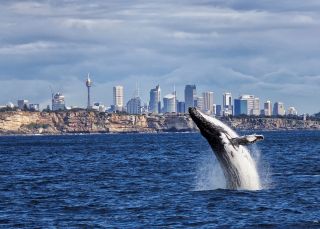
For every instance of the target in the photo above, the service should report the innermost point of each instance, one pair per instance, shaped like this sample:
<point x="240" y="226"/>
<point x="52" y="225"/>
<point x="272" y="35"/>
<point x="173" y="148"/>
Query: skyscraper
<point x="169" y="103"/>
<point x="227" y="97"/>
<point x="200" y="103"/>
<point x="278" y="109"/>
<point x="214" y="109"/>
<point x="134" y="106"/>
<point x="181" y="107"/>
<point x="267" y="108"/>
<point x="190" y="93"/>
<point x="88" y="84"/>
<point x="227" y="104"/>
<point x="218" y="110"/>
<point x="247" y="105"/>
<point x="240" y="107"/>
<point x="118" y="98"/>
<point x="155" y="100"/>
<point x="208" y="102"/>
<point x="256" y="107"/>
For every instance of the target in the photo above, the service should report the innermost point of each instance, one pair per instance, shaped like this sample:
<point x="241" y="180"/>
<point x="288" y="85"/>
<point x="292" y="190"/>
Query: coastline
<point x="149" y="133"/>
<point x="24" y="123"/>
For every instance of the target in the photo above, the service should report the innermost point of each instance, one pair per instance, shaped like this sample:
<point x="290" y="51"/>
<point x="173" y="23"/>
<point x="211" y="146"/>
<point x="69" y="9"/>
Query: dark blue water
<point x="154" y="180"/>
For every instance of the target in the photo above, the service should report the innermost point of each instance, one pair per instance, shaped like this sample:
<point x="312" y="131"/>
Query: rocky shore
<point x="72" y="122"/>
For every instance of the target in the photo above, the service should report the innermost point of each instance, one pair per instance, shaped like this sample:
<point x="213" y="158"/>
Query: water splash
<point x="264" y="169"/>
<point x="209" y="175"/>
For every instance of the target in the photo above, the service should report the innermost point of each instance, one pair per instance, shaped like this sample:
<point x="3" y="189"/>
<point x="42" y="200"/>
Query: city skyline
<point x="269" y="50"/>
<point x="205" y="101"/>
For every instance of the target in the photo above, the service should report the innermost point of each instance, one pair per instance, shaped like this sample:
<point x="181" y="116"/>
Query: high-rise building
<point x="22" y="104"/>
<point x="181" y="107"/>
<point x="88" y="84"/>
<point x="227" y="97"/>
<point x="155" y="100"/>
<point x="58" y="102"/>
<point x="214" y="109"/>
<point x="292" y="111"/>
<point x="267" y="108"/>
<point x="256" y="107"/>
<point x="134" y="106"/>
<point x="240" y="107"/>
<point x="279" y="109"/>
<point x="247" y="105"/>
<point x="190" y="93"/>
<point x="208" y="101"/>
<point x="118" y="98"/>
<point x="227" y="104"/>
<point x="218" y="110"/>
<point x="199" y="103"/>
<point x="169" y="103"/>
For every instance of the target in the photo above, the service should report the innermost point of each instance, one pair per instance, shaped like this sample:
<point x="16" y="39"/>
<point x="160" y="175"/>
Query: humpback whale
<point x="230" y="149"/>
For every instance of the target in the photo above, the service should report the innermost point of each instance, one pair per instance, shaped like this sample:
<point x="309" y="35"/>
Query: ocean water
<point x="154" y="180"/>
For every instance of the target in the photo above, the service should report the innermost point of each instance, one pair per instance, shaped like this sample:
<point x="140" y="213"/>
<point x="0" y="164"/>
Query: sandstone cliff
<point x="21" y="122"/>
<point x="271" y="123"/>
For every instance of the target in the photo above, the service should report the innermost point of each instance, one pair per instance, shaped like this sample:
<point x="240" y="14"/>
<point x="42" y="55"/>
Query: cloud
<point x="270" y="50"/>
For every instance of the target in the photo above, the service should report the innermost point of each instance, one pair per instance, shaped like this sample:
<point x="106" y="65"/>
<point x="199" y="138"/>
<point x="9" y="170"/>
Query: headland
<point x="74" y="122"/>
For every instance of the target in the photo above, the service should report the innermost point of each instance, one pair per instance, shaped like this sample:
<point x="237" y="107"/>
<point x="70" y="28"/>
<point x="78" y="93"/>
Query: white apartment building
<point x="118" y="98"/>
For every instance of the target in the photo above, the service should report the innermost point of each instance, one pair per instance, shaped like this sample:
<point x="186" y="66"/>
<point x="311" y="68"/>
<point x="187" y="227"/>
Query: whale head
<point x="216" y="133"/>
<point x="211" y="128"/>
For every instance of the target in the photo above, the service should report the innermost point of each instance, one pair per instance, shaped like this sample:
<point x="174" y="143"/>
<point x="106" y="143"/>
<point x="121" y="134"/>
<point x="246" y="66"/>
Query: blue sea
<point x="154" y="181"/>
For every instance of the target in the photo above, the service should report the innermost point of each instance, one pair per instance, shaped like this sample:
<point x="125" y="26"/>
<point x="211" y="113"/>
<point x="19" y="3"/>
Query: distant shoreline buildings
<point x="248" y="105"/>
<point x="190" y="93"/>
<point x="58" y="102"/>
<point x="118" y="98"/>
<point x="155" y="100"/>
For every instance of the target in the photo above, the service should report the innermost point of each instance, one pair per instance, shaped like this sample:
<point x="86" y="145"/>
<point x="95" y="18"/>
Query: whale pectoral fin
<point x="247" y="139"/>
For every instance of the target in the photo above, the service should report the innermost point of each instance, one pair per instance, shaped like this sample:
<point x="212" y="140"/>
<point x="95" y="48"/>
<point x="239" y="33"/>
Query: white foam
<point x="263" y="167"/>
<point x="209" y="175"/>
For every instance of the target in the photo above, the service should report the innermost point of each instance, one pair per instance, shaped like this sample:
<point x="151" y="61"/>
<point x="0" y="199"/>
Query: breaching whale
<point x="233" y="156"/>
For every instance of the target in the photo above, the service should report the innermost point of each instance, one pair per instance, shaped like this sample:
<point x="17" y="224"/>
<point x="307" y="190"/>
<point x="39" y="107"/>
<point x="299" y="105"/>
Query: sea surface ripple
<point x="154" y="180"/>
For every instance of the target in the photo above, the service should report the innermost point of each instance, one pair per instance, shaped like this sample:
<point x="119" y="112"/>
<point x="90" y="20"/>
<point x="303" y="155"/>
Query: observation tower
<point x="88" y="84"/>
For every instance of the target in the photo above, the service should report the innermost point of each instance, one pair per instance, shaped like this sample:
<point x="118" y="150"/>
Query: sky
<point x="270" y="49"/>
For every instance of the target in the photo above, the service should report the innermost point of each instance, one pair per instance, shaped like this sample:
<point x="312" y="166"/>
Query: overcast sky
<point x="267" y="48"/>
